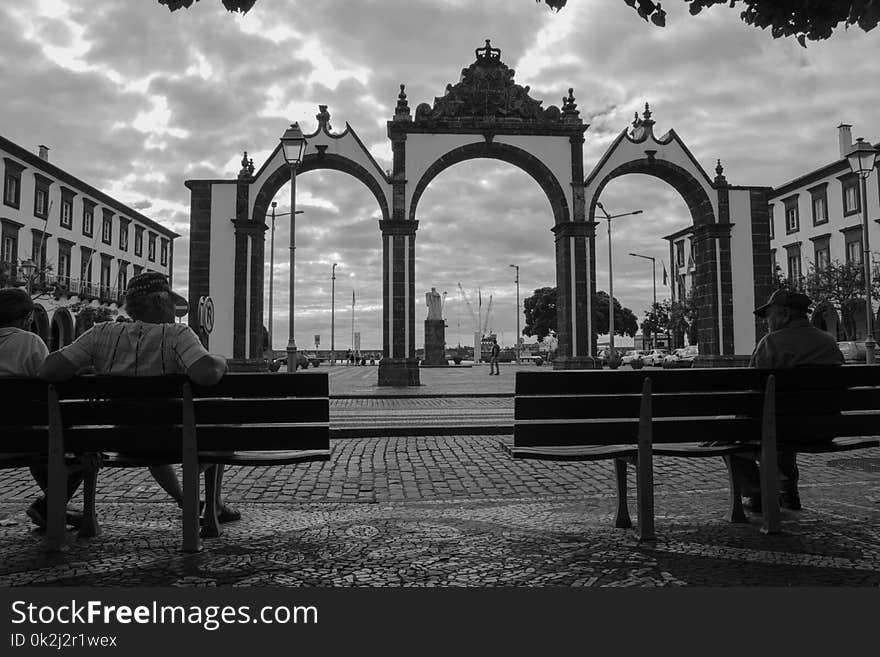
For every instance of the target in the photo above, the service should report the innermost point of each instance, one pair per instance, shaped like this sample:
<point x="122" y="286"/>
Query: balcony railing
<point x="42" y="282"/>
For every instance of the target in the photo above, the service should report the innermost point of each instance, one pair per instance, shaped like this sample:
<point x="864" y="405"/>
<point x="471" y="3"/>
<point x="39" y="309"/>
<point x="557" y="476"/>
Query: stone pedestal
<point x="435" y="342"/>
<point x="399" y="372"/>
<point x="575" y="363"/>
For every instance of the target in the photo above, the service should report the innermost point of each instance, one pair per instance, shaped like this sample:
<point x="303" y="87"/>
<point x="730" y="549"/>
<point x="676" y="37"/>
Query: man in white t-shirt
<point x="21" y="354"/>
<point x="151" y="345"/>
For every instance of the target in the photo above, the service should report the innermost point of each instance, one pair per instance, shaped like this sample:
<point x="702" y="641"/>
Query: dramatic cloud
<point x="136" y="100"/>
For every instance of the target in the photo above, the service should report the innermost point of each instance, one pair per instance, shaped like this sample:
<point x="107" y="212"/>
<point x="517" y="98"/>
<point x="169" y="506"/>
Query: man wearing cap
<point x="151" y="345"/>
<point x="791" y="342"/>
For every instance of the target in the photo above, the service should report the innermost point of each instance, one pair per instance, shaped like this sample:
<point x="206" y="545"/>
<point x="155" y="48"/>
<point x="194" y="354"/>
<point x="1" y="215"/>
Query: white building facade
<point x="816" y="218"/>
<point x="84" y="244"/>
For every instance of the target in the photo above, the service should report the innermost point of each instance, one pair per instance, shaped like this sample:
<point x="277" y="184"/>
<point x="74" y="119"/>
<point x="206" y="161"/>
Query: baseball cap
<point x="787" y="299"/>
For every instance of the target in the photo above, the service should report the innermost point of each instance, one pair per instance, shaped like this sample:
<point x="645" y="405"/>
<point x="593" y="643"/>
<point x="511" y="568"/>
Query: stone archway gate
<point x="485" y="115"/>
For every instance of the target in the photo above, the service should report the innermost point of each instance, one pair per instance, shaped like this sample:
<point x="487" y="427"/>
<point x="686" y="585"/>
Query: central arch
<point x="506" y="153"/>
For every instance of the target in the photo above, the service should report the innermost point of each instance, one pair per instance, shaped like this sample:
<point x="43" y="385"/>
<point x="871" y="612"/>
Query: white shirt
<point x="21" y="352"/>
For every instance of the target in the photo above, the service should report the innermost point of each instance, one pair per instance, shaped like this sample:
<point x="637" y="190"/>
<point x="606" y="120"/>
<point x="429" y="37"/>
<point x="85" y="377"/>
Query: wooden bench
<point x="255" y="419"/>
<point x="630" y="416"/>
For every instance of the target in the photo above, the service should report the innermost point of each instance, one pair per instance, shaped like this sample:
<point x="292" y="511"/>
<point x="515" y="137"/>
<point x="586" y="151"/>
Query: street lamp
<point x="293" y="145"/>
<point x="272" y="269"/>
<point x="332" y="314"/>
<point x="517" y="312"/>
<point x="28" y="267"/>
<point x="861" y="160"/>
<point x="609" y="217"/>
<point x="654" y="307"/>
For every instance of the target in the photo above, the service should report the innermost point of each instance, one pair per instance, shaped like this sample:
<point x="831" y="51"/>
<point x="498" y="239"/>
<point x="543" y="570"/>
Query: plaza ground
<point x="454" y="509"/>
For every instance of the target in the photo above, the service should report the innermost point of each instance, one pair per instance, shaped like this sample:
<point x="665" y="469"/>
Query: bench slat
<point x="261" y="384"/>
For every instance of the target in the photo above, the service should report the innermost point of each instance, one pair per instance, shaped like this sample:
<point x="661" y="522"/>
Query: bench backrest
<point x="144" y="415"/>
<point x="599" y="407"/>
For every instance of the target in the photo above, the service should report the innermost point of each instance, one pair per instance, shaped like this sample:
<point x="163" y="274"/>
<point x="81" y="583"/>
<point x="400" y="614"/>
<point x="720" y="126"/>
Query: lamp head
<point x="862" y="157"/>
<point x="274" y="205"/>
<point x="293" y="144"/>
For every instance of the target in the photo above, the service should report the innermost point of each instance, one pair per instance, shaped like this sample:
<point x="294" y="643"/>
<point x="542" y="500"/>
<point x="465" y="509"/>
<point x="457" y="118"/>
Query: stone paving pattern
<point x="457" y="510"/>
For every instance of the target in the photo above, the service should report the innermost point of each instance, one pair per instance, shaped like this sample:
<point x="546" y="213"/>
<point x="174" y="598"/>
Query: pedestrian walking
<point x="493" y="357"/>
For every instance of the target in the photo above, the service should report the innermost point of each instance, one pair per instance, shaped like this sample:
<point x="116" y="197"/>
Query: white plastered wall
<point x="742" y="272"/>
<point x="222" y="275"/>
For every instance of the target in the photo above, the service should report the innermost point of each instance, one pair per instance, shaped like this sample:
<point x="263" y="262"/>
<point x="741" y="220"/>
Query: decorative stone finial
<point x="647" y="116"/>
<point x="488" y="55"/>
<point x="323" y="117"/>
<point x="719" y="174"/>
<point x="250" y="167"/>
<point x="401" y="112"/>
<point x="637" y="122"/>
<point x="569" y="107"/>
<point x="244" y="166"/>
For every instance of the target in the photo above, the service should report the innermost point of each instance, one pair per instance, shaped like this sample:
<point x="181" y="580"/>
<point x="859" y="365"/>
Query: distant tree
<point x="540" y="314"/>
<point x="843" y="285"/>
<point x="232" y="5"/>
<point x="683" y="321"/>
<point x="656" y="320"/>
<point x="803" y="19"/>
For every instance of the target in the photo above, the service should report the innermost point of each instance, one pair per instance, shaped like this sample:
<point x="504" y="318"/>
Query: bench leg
<point x="736" y="513"/>
<point x="622" y="520"/>
<point x="89" y="527"/>
<point x="211" y="527"/>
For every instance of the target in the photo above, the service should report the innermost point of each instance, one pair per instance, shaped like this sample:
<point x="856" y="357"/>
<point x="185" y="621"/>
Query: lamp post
<point x="293" y="144"/>
<point x="332" y="314"/>
<point x="28" y="267"/>
<point x="861" y="160"/>
<point x="654" y="307"/>
<point x="272" y="270"/>
<point x="517" y="312"/>
<point x="609" y="217"/>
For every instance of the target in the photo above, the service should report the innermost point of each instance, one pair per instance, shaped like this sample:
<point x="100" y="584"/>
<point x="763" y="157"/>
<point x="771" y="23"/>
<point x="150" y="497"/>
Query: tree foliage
<point x="843" y="285"/>
<point x="231" y="5"/>
<point x="540" y="314"/>
<point x="803" y="19"/>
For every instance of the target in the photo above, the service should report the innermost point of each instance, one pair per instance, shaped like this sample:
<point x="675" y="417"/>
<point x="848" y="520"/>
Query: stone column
<point x="398" y="366"/>
<point x="575" y="277"/>
<point x="714" y="301"/>
<point x="199" y="249"/>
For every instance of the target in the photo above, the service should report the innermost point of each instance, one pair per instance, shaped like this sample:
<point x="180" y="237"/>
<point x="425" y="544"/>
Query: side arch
<point x="712" y="247"/>
<point x="506" y="153"/>
<point x="312" y="162"/>
<point x="40" y="323"/>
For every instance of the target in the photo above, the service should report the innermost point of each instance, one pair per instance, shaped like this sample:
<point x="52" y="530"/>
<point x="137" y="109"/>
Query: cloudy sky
<point x="134" y="100"/>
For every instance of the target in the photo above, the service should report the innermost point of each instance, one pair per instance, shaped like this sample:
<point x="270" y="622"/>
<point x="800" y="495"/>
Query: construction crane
<point x="467" y="301"/>
<point x="486" y="321"/>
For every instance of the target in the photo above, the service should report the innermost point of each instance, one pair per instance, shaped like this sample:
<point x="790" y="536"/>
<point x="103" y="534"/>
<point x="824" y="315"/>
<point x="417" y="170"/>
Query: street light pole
<point x="861" y="160"/>
<point x="608" y="218"/>
<point x="654" y="307"/>
<point x="333" y="314"/>
<point x="272" y="270"/>
<point x="517" y="312"/>
<point x="293" y="145"/>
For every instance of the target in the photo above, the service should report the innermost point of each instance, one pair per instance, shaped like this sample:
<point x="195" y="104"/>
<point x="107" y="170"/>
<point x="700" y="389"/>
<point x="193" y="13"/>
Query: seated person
<point x="21" y="354"/>
<point x="150" y="345"/>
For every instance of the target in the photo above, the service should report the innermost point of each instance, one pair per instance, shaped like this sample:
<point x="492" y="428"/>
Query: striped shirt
<point x="136" y="349"/>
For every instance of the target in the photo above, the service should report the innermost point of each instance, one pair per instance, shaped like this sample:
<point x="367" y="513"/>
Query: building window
<point x="138" y="241"/>
<point x="85" y="267"/>
<point x="64" y="266"/>
<point x="679" y="254"/>
<point x="822" y="257"/>
<point x="792" y="219"/>
<point x="794" y="268"/>
<point x="819" y="203"/>
<point x="151" y="248"/>
<point x="41" y="203"/>
<point x="850" y="191"/>
<point x="105" y="275"/>
<point x="12" y="183"/>
<point x="770" y="215"/>
<point x="10" y="249"/>
<point x="88" y="218"/>
<point x="38" y="250"/>
<point x="107" y="227"/>
<point x="122" y="277"/>
<point x="163" y="253"/>
<point x="854" y="251"/>
<point x="136" y="269"/>
<point x="67" y="213"/>
<point x="123" y="235"/>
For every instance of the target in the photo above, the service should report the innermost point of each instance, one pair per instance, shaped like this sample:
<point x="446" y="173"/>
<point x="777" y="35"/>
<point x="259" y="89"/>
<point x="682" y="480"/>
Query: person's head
<point x="16" y="308"/>
<point x="148" y="298"/>
<point x="782" y="307"/>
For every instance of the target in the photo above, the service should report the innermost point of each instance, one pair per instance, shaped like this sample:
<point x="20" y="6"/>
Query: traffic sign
<point x="206" y="314"/>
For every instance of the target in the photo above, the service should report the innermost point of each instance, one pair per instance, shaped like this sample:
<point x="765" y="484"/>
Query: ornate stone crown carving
<point x="487" y="93"/>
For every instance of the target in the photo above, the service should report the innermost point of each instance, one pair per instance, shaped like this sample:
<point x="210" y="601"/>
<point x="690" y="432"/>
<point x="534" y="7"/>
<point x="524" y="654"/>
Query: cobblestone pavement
<point x="458" y="511"/>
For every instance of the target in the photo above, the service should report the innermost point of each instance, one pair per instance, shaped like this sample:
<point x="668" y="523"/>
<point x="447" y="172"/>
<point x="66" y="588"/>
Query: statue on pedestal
<point x="432" y="300"/>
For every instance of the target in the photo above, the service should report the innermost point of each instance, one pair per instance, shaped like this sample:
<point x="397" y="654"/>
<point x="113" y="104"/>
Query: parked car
<point x="683" y="357"/>
<point x="630" y="356"/>
<point x="654" y="357"/>
<point x="303" y="361"/>
<point x="853" y="352"/>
